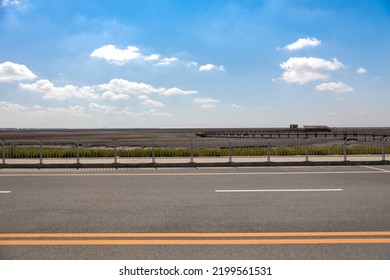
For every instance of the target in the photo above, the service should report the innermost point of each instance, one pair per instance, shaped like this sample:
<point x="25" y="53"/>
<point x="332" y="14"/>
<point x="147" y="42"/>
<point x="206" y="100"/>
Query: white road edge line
<point x="5" y="191"/>
<point x="281" y="190"/>
<point x="376" y="168"/>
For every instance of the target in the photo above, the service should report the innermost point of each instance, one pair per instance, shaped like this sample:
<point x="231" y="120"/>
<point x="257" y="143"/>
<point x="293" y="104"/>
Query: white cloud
<point x="102" y="108"/>
<point x="361" y="70"/>
<point x="151" y="112"/>
<point x="335" y="87"/>
<point x="207" y="106"/>
<point x="306" y="69"/>
<point x="207" y="103"/>
<point x="11" y="107"/>
<point x="117" y="56"/>
<point x="152" y="103"/>
<point x="122" y="86"/>
<point x="303" y="43"/>
<point x="115" y="89"/>
<point x="211" y="67"/>
<point x="206" y="100"/>
<point x="5" y="3"/>
<point x="50" y="91"/>
<point x="152" y="57"/>
<point x="10" y="72"/>
<point x="143" y="97"/>
<point x="87" y="92"/>
<point x="177" y="91"/>
<point x="166" y="61"/>
<point x="112" y="96"/>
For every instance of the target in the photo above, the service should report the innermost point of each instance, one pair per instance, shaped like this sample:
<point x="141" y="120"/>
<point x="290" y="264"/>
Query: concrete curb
<point x="186" y="165"/>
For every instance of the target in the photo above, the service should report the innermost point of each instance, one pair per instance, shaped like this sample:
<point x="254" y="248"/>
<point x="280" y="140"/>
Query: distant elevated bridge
<point x="367" y="133"/>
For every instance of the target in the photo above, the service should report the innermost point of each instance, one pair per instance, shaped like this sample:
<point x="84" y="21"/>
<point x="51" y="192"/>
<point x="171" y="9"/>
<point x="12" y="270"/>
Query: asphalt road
<point x="204" y="213"/>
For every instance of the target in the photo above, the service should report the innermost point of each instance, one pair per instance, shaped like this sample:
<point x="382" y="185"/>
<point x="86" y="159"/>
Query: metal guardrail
<point x="97" y="149"/>
<point x="2" y="152"/>
<point x="212" y="148"/>
<point x="59" y="149"/>
<point x="22" y="149"/>
<point x="134" y="148"/>
<point x="191" y="150"/>
<point x="359" y="147"/>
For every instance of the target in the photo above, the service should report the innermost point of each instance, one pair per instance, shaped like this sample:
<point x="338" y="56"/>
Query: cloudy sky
<point x="173" y="63"/>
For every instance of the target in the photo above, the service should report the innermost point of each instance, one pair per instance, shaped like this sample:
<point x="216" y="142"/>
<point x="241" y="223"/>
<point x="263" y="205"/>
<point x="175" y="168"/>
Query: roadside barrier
<point x="360" y="147"/>
<point x="256" y="148"/>
<point x="210" y="150"/>
<point x="104" y="149"/>
<point x="173" y="149"/>
<point x="134" y="149"/>
<point x="18" y="150"/>
<point x="59" y="150"/>
<point x="2" y="152"/>
<point x="294" y="148"/>
<point x="325" y="148"/>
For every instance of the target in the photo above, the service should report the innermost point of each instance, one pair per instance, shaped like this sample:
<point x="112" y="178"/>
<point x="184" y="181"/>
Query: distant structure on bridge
<point x="307" y="131"/>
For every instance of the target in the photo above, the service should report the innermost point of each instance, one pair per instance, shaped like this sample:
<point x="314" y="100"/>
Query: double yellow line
<point x="258" y="238"/>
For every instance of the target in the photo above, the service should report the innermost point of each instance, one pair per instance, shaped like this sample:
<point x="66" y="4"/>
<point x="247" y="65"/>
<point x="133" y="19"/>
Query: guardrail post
<point x="115" y="152"/>
<point x="230" y="151"/>
<point x="77" y="152"/>
<point x="153" y="151"/>
<point x="345" y="149"/>
<point x="3" y="151"/>
<point x="40" y="153"/>
<point x="384" y="149"/>
<point x="307" y="150"/>
<point x="192" y="151"/>
<point x="268" y="150"/>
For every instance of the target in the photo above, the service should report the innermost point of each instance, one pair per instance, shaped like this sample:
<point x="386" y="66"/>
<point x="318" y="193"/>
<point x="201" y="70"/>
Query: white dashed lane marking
<point x="281" y="190"/>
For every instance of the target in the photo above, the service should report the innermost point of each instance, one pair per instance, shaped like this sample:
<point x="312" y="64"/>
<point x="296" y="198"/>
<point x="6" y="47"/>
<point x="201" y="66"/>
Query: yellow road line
<point x="194" y="235"/>
<point x="198" y="242"/>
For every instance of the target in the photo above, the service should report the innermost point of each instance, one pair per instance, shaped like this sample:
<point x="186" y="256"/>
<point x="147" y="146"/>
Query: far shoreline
<point x="161" y="133"/>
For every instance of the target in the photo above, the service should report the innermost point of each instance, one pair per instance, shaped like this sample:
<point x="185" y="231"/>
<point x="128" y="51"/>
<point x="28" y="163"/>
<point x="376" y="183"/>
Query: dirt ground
<point x="185" y="133"/>
<point x="87" y="134"/>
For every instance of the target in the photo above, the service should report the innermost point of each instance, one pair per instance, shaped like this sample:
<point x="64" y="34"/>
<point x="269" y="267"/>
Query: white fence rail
<point x="192" y="150"/>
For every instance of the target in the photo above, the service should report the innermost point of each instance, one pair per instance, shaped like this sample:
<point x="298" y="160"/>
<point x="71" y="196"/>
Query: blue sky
<point x="203" y="63"/>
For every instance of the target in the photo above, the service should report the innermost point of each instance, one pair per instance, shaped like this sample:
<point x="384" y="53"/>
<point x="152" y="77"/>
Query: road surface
<point x="204" y="213"/>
